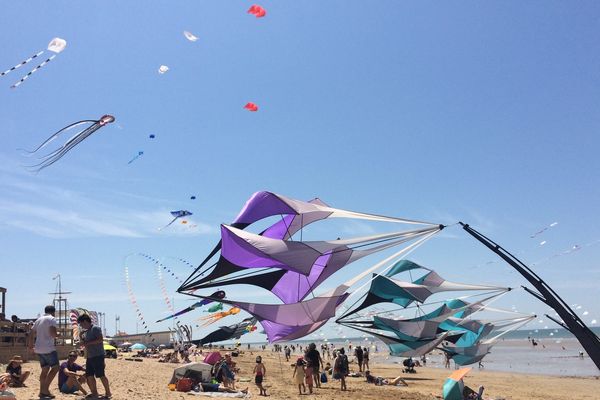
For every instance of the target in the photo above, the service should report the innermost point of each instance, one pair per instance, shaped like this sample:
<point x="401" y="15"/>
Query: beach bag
<point x="184" y="385"/>
<point x="219" y="372"/>
<point x="323" y="377"/>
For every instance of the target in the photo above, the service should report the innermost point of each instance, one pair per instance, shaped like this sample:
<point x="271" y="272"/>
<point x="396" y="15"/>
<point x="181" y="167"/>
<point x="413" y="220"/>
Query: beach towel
<point x="222" y="394"/>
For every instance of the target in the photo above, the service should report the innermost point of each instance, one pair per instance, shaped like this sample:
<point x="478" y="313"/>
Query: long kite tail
<point x="55" y="135"/>
<point x="22" y="63"/>
<point x="56" y="155"/>
<point x="174" y="219"/>
<point x="23" y="79"/>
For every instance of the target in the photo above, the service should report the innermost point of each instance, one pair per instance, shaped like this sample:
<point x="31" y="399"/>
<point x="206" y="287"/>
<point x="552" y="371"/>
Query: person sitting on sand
<point x="470" y="394"/>
<point x="299" y="375"/>
<point x="17" y="376"/>
<point x="71" y="376"/>
<point x="410" y="365"/>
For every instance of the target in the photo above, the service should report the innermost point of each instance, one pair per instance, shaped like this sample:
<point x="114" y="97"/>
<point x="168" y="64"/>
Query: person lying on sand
<point x="209" y="387"/>
<point x="379" y="381"/>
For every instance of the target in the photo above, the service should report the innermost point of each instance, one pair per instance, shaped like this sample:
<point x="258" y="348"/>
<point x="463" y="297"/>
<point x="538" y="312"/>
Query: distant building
<point x="163" y="337"/>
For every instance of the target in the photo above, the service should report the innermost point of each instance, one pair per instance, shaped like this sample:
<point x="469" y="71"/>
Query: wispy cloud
<point x="55" y="212"/>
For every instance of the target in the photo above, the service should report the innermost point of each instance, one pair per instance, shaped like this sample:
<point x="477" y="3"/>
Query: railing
<point x="13" y="333"/>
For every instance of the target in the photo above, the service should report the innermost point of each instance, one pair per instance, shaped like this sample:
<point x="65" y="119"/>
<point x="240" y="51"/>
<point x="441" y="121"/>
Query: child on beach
<point x="259" y="373"/>
<point x="299" y="375"/>
<point x="340" y="368"/>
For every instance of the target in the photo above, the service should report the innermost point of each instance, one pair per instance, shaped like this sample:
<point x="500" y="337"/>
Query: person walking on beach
<point x="314" y="361"/>
<point x="259" y="373"/>
<point x="94" y="353"/>
<point x="358" y="353"/>
<point x="298" y="375"/>
<point x="340" y="368"/>
<point x="43" y="334"/>
<point x="366" y="358"/>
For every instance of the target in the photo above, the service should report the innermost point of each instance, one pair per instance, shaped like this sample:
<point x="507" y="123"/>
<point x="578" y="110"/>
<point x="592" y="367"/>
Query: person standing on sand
<point x="314" y="363"/>
<point x="299" y="374"/>
<point x="259" y="373"/>
<point x="366" y="358"/>
<point x="340" y="368"/>
<point x="358" y="353"/>
<point x="94" y="353"/>
<point x="43" y="333"/>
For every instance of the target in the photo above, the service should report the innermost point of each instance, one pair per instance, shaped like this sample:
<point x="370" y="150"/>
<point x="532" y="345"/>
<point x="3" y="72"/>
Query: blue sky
<point x="480" y="112"/>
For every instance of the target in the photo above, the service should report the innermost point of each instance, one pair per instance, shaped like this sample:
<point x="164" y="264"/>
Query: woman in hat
<point x="17" y="376"/>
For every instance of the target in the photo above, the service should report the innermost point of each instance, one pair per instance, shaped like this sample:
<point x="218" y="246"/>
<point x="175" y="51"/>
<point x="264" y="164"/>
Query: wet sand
<point x="149" y="379"/>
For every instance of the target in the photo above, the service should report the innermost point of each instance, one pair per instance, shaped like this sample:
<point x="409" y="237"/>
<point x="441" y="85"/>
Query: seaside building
<point x="162" y="337"/>
<point x="13" y="336"/>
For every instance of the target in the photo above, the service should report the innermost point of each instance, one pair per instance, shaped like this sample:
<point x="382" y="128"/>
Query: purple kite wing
<point x="261" y="205"/>
<point x="292" y="223"/>
<point x="283" y="333"/>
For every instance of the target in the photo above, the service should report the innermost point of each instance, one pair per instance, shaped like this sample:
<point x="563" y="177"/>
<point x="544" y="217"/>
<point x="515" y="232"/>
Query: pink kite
<point x="251" y="107"/>
<point x="257" y="11"/>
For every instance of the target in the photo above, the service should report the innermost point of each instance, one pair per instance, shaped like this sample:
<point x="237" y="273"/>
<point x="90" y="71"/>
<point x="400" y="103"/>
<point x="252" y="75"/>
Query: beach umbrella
<point x="109" y="347"/>
<point x="125" y="344"/>
<point x="454" y="385"/>
<point x="138" y="346"/>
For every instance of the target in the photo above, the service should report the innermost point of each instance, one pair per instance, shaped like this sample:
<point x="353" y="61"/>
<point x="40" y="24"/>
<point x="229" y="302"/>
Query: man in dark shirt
<point x="358" y="352"/>
<point x="71" y="376"/>
<point x="94" y="349"/>
<point x="313" y="357"/>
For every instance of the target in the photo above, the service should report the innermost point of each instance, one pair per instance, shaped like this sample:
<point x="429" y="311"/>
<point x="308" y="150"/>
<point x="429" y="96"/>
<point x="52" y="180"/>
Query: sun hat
<point x="16" y="359"/>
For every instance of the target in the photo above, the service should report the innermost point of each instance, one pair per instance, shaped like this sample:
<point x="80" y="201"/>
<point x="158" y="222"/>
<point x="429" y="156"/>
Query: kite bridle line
<point x="497" y="291"/>
<point x="398" y="255"/>
<point x="397" y="239"/>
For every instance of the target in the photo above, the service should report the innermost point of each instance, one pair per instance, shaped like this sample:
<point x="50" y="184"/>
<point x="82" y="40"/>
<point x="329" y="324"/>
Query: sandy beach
<point x="148" y="380"/>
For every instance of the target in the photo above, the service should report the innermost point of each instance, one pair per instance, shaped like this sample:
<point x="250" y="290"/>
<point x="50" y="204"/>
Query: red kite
<point x="251" y="107"/>
<point x="257" y="11"/>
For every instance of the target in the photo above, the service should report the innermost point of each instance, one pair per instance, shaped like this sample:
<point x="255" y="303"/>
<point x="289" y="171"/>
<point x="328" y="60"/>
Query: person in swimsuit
<point x="259" y="373"/>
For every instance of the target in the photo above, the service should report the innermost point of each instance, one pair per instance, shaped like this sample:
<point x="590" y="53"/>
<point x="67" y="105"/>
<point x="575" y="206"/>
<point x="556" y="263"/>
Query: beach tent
<point x="109" y="347"/>
<point x="138" y="346"/>
<point x="454" y="385"/>
<point x="196" y="370"/>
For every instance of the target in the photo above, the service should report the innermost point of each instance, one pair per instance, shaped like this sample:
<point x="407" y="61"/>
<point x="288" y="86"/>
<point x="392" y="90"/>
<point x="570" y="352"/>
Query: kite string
<point x="400" y="255"/>
<point x="525" y="321"/>
<point x="432" y="303"/>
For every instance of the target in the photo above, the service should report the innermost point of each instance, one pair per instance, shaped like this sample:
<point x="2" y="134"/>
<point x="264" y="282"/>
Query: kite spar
<point x="292" y="269"/>
<point x="547" y="295"/>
